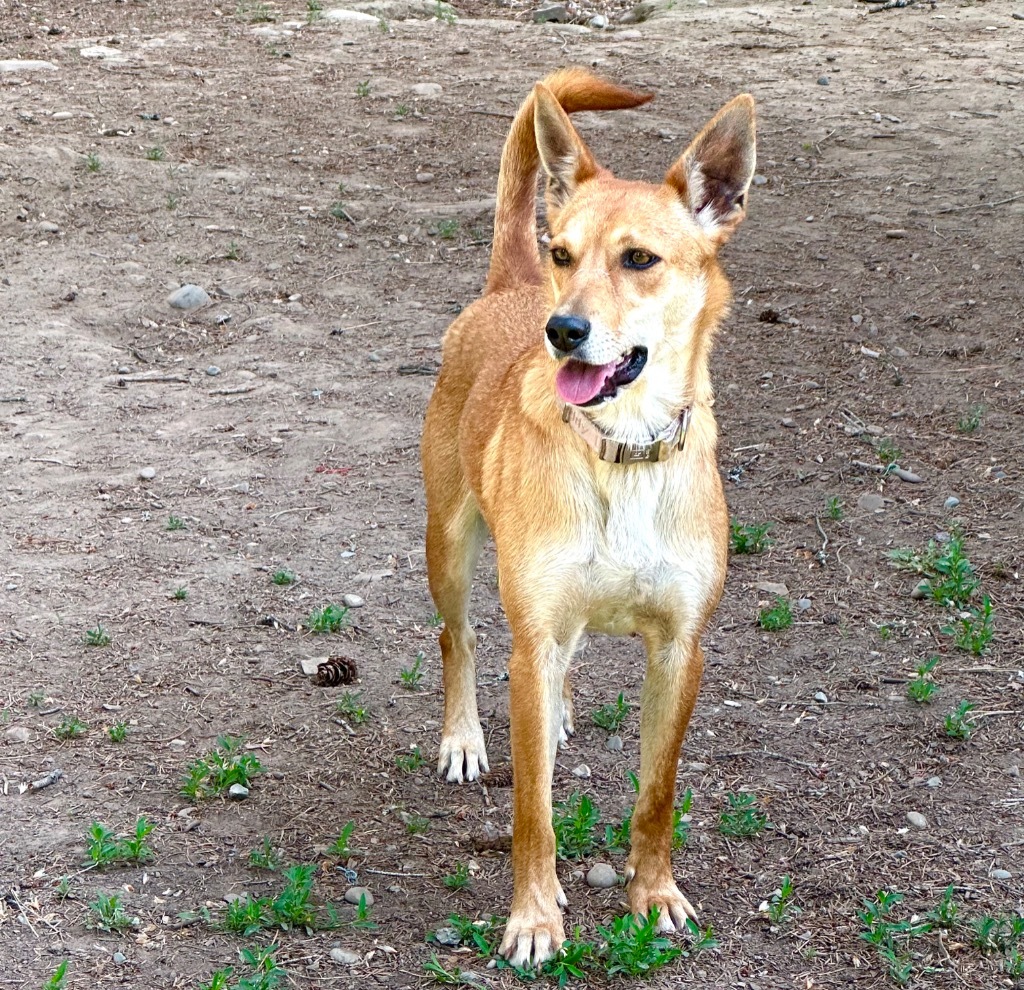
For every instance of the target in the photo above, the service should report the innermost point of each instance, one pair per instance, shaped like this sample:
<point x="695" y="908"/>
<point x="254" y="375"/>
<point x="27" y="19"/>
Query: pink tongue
<point x="578" y="383"/>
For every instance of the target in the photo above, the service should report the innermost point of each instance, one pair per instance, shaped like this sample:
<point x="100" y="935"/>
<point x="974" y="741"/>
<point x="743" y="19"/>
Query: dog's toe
<point x="674" y="910"/>
<point x="462" y="759"/>
<point x="531" y="943"/>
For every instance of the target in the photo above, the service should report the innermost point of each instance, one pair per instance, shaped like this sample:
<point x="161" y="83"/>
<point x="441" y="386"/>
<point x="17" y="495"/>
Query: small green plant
<point x="247" y="915"/>
<point x="922" y="687"/>
<point x="283" y="577"/>
<point x="180" y="594"/>
<point x="950" y="577"/>
<point x="574" y="821"/>
<point x="172" y="202"/>
<point x="834" y="507"/>
<point x="402" y="111"/>
<point x="681" y="821"/>
<point x="444" y="13"/>
<point x="36" y="699"/>
<point x="341" y="846"/>
<point x="362" y="919"/>
<point x="97" y="636"/>
<point x="742" y="819"/>
<point x="265" y="973"/>
<point x="888" y="453"/>
<point x="1013" y="965"/>
<point x="174" y="523"/>
<point x="611" y="716"/>
<point x="104" y="848"/>
<point x="888" y="937"/>
<point x="958" y="724"/>
<point x="156" y="154"/>
<point x="973" y="631"/>
<point x="327" y="619"/>
<point x="746" y="538"/>
<point x="383" y="26"/>
<point x="265" y="856"/>
<point x="445" y="977"/>
<point x="363" y="88"/>
<point x="70" y="727"/>
<point x="92" y="162"/>
<point x="314" y="11"/>
<point x="291" y="908"/>
<point x="447" y="228"/>
<point x="436" y="621"/>
<point x="780" y="905"/>
<point x="350" y="708"/>
<point x="616" y="837"/>
<point x="109" y="914"/>
<point x="339" y="211"/>
<point x="411" y="676"/>
<point x="416" y="824"/>
<point x="118" y="732"/>
<point x="225" y="765"/>
<point x="992" y="934"/>
<point x="945" y="913"/>
<point x="776" y="618"/>
<point x="57" y="978"/>
<point x="233" y="252"/>
<point x="459" y="879"/>
<point x="971" y="420"/>
<point x="633" y="947"/>
<point x="63" y="888"/>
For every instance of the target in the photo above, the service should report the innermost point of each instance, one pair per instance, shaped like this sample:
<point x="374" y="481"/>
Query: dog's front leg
<point x="534" y="931"/>
<point x="669" y="693"/>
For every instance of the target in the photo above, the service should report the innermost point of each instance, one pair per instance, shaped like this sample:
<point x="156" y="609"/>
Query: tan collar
<point x="620" y="452"/>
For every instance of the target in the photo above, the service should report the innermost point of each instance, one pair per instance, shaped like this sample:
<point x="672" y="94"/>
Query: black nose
<point x="566" y="333"/>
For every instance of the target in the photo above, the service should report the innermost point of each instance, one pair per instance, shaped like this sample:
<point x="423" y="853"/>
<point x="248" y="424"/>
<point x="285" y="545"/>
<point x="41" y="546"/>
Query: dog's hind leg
<point x="455" y="535"/>
<point x="670" y="688"/>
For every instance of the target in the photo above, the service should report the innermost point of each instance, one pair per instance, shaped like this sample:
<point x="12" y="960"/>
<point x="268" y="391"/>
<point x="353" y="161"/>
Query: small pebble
<point x="789" y="423"/>
<point x="602" y="876"/>
<point x="921" y="590"/>
<point x="352" y="601"/>
<point x="582" y="771"/>
<point x="242" y="488"/>
<point x="803" y="604"/>
<point x="213" y="371"/>
<point x="951" y="503"/>
<point x="19" y="734"/>
<point x="598" y="21"/>
<point x="820" y="696"/>
<point x="427" y="89"/>
<point x="447" y="936"/>
<point x="614" y="744"/>
<point x="119" y="957"/>
<point x="188" y="297"/>
<point x="856" y="319"/>
<point x="772" y="588"/>
<point x="998" y="874"/>
<point x="353" y="895"/>
<point x="344" y="957"/>
<point x="238" y="792"/>
<point x="124" y="370"/>
<point x="822" y="80"/>
<point x="147" y="473"/>
<point x="760" y="180"/>
<point x="47" y="227"/>
<point x="917" y="819"/>
<point x="424" y="177"/>
<point x="933" y="782"/>
<point x="870" y="502"/>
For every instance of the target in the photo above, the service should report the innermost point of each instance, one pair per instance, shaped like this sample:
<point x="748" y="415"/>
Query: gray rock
<point x="999" y="874"/>
<point x="213" y="371"/>
<point x="871" y="502"/>
<point x="353" y="895"/>
<point x="822" y="80"/>
<point x="25" y="65"/>
<point x="147" y="473"/>
<point x="772" y="588"/>
<point x="598" y="21"/>
<point x="238" y="792"/>
<point x="631" y="35"/>
<point x="340" y="14"/>
<point x="119" y="957"/>
<point x="343" y="957"/>
<point x="821" y="697"/>
<point x="242" y="488"/>
<point x="922" y="589"/>
<point x="47" y="227"/>
<point x="17" y="734"/>
<point x="104" y="52"/>
<point x="803" y="604"/>
<point x="916" y="819"/>
<point x="899" y="352"/>
<point x="856" y="319"/>
<point x="760" y="180"/>
<point x="582" y="771"/>
<point x="933" y="782"/>
<point x="427" y="90"/>
<point x="447" y="936"/>
<point x="424" y="177"/>
<point x="602" y="876"/>
<point x="556" y="12"/>
<point x="951" y="503"/>
<point x="352" y="601"/>
<point x="614" y="744"/>
<point x="188" y="297"/>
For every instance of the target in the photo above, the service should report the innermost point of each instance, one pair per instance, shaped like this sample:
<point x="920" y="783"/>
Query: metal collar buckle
<point x="620" y="452"/>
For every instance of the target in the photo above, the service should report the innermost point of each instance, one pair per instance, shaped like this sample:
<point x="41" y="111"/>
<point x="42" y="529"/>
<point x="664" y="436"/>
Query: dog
<point x="572" y="419"/>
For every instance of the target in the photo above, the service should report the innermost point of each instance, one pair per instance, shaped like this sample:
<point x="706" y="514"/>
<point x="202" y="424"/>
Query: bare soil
<point x="878" y="304"/>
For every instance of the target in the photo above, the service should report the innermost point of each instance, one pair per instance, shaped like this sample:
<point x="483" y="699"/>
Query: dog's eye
<point x="560" y="257"/>
<point x="638" y="258"/>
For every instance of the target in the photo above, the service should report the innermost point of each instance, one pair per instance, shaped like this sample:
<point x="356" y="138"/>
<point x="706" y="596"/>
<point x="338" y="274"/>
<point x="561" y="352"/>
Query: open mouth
<point x="582" y="384"/>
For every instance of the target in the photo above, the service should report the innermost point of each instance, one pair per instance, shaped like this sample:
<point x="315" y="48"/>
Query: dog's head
<point x="633" y="268"/>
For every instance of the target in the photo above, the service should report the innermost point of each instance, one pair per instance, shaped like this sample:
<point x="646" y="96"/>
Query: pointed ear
<point x="564" y="157"/>
<point x="714" y="173"/>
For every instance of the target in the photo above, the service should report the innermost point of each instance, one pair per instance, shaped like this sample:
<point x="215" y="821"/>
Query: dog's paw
<point x="533" y="937"/>
<point x="674" y="910"/>
<point x="567" y="727"/>
<point x="463" y="756"/>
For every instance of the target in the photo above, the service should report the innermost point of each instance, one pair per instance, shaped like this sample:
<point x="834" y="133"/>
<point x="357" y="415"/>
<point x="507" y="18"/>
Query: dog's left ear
<point x="565" y="158"/>
<point x="714" y="173"/>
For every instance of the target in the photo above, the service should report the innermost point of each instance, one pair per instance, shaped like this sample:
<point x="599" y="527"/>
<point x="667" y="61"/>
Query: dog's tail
<point x="514" y="258"/>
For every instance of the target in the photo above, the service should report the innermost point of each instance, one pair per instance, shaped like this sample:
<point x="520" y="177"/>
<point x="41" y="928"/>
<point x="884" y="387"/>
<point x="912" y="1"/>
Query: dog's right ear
<point x="565" y="158"/>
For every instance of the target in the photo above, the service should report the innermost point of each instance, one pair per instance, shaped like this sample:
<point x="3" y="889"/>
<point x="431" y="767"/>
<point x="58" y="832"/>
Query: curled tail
<point x="514" y="258"/>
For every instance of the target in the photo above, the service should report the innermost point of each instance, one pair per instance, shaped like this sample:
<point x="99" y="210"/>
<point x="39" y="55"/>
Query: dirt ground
<point x="338" y="219"/>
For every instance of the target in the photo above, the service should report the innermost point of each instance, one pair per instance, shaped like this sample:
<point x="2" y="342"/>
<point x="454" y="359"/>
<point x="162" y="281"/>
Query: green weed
<point x="175" y="523"/>
<point x="459" y="879"/>
<point x="362" y="919"/>
<point x="611" y="716"/>
<point x="70" y="727"/>
<point x="888" y="453"/>
<point x="97" y="636"/>
<point x="104" y="847"/>
<point x="283" y="577"/>
<point x="265" y="973"/>
<point x="971" y="420"/>
<point x="350" y="708"/>
<point x="57" y="978"/>
<point x="633" y="947"/>
<point x="410" y="762"/>
<point x="681" y="821"/>
<point x="950" y="577"/>
<point x="973" y="630"/>
<point x="777" y="617"/>
<point x="444" y="13"/>
<point x="958" y="725"/>
<point x="574" y="821"/>
<point x="945" y="912"/>
<point x="747" y="538"/>
<point x="922" y="687"/>
<point x="180" y="594"/>
<point x="834" y="507"/>
<point x="225" y="765"/>
<point x="780" y="905"/>
<point x="233" y="252"/>
<point x="416" y="824"/>
<point x="412" y="676"/>
<point x="92" y="162"/>
<point x="742" y="819"/>
<point x="341" y="847"/>
<point x="36" y="699"/>
<point x="265" y="856"/>
<point x="314" y="11"/>
<point x="363" y="88"/>
<point x="402" y="111"/>
<point x="155" y="154"/>
<point x="447" y="229"/>
<point x="109" y="915"/>
<point x="118" y="732"/>
<point x="446" y="977"/>
<point x="327" y="619"/>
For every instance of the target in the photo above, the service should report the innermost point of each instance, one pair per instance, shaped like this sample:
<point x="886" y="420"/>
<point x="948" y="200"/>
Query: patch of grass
<point x="447" y="228"/>
<point x="63" y="888"/>
<point x="971" y="420"/>
<point x="363" y="88"/>
<point x="350" y="708"/>
<point x="780" y="905"/>
<point x="611" y="716"/>
<point x="225" y="765"/>
<point x="233" y="252"/>
<point x="574" y="821"/>
<point x="291" y="908"/>
<point x="70" y="727"/>
<point x="57" y="977"/>
<point x="410" y="762"/>
<point x="104" y="848"/>
<point x="747" y="538"/>
<point x="412" y="676"/>
<point x="36" y="699"/>
<point x="633" y="947"/>
<point x="265" y="856"/>
<point x="314" y="11"/>
<point x="283" y="577"/>
<point x="681" y="821"/>
<point x="97" y="636"/>
<point x="946" y="568"/>
<point x="175" y="523"/>
<point x="92" y="162"/>
<point x="118" y="732"/>
<point x="264" y="973"/>
<point x="887" y="451"/>
<point x="109" y="914"/>
<point x="328" y="618"/>
<point x="945" y="913"/>
<point x="341" y="846"/>
<point x="958" y="724"/>
<point x="973" y="630"/>
<point x="401" y="110"/>
<point x="444" y="13"/>
<point x="247" y="915"/>
<point x="180" y="594"/>
<point x="416" y="824"/>
<point x="834" y="508"/>
<point x="156" y="154"/>
<point x="776" y="618"/>
<point x="436" y="621"/>
<point x="742" y="820"/>
<point x="459" y="879"/>
<point x="922" y="687"/>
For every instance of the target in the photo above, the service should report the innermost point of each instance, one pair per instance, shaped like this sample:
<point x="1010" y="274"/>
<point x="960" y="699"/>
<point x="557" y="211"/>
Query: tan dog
<point x="572" y="418"/>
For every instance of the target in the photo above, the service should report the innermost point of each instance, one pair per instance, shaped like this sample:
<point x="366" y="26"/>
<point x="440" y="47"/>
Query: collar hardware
<point x="621" y="452"/>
